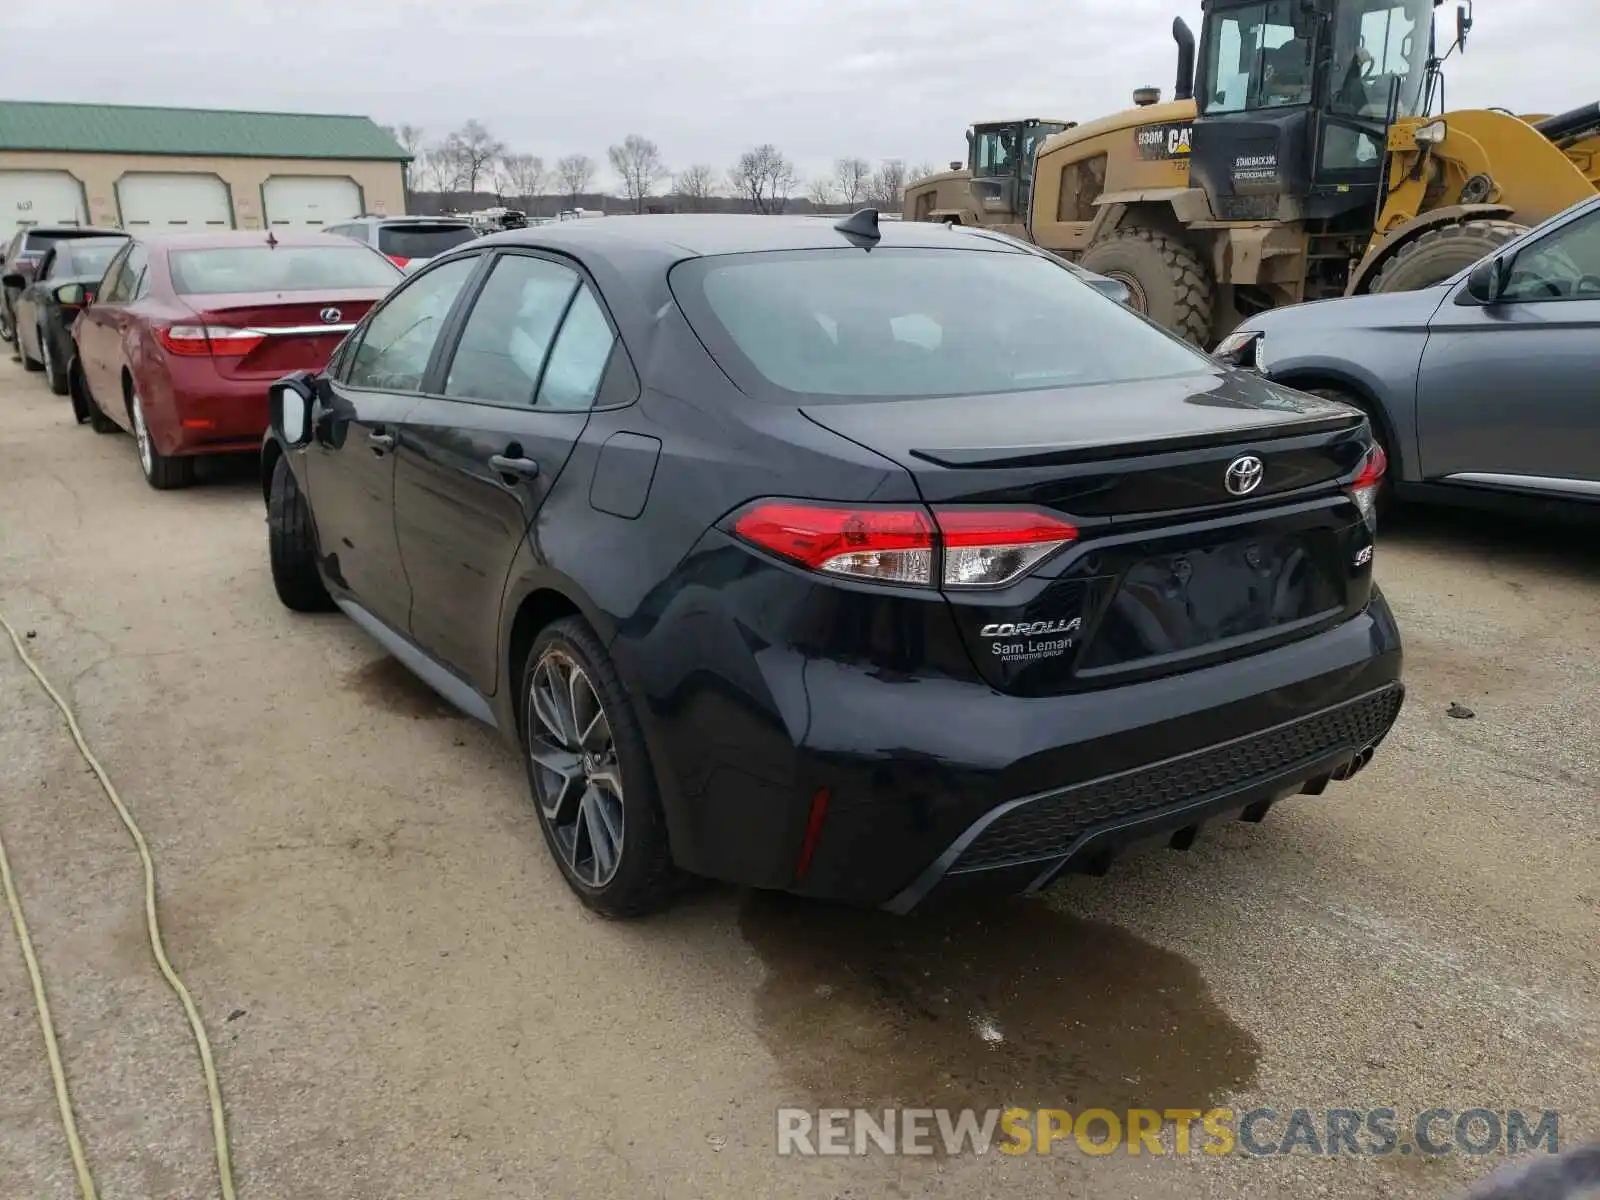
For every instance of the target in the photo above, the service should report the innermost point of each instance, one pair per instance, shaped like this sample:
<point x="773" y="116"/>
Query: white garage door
<point x="310" y="201"/>
<point x="175" y="203"/>
<point x="39" y="198"/>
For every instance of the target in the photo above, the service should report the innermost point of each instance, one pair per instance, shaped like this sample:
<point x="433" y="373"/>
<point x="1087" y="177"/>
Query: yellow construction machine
<point x="1301" y="160"/>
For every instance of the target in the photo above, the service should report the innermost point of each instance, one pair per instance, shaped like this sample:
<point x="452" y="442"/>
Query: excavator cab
<point x="1294" y="99"/>
<point x="1000" y="155"/>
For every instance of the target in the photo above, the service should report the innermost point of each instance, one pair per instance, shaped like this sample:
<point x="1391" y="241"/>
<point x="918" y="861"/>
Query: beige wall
<point x="382" y="183"/>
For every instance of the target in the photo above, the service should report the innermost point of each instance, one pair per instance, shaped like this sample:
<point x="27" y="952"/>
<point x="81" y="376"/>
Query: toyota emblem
<point x="330" y="316"/>
<point x="1244" y="475"/>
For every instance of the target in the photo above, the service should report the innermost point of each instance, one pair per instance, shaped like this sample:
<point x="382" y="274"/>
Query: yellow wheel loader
<point x="1297" y="161"/>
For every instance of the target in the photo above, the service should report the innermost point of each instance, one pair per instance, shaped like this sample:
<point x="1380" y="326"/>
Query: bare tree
<point x="696" y="185"/>
<point x="444" y="167"/>
<point x="764" y="178"/>
<point x="637" y="160"/>
<point x="782" y="182"/>
<point x="852" y="177"/>
<point x="888" y="186"/>
<point x="922" y="170"/>
<point x="409" y="137"/>
<point x="820" y="193"/>
<point x="576" y="173"/>
<point x="523" y="175"/>
<point x="476" y="151"/>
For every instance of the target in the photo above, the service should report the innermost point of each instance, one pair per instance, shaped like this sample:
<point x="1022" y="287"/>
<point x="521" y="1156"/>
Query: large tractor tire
<point x="1434" y="256"/>
<point x="1165" y="278"/>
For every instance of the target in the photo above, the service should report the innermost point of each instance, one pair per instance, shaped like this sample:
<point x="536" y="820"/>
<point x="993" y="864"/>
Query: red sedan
<point x="185" y="332"/>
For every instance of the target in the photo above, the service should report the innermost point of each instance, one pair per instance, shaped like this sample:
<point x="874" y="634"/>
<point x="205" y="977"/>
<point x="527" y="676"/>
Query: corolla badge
<point x="330" y="316"/>
<point x="1244" y="475"/>
<point x="1030" y="628"/>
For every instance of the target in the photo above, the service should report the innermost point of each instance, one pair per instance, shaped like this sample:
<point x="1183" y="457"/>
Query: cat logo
<point x="1165" y="141"/>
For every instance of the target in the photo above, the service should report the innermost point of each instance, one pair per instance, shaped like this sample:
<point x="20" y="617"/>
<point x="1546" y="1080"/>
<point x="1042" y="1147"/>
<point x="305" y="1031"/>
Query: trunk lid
<point x="1172" y="569"/>
<point x="300" y="331"/>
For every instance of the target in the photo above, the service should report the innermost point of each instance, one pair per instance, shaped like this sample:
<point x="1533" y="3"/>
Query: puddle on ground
<point x="388" y="684"/>
<point x="996" y="1003"/>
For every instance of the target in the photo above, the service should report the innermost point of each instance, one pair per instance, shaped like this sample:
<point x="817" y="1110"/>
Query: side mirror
<point x="14" y="280"/>
<point x="74" y="295"/>
<point x="1463" y="25"/>
<point x="1486" y="281"/>
<point x="1114" y="288"/>
<point x="289" y="403"/>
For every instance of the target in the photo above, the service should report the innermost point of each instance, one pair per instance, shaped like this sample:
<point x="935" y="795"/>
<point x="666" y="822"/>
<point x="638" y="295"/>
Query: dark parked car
<point x="46" y="308"/>
<point x="866" y="564"/>
<point x="407" y="241"/>
<point x="187" y="330"/>
<point x="1483" y="388"/>
<point x="21" y="257"/>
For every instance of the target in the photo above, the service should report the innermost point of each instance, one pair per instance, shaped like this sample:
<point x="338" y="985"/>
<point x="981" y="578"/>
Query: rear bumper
<point x="1028" y="843"/>
<point x="211" y="414"/>
<point x="936" y="785"/>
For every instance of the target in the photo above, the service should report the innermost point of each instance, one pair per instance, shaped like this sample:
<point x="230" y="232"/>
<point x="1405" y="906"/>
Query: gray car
<point x="1484" y="389"/>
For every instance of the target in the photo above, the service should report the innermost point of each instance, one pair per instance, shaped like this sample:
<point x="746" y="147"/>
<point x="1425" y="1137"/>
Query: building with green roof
<point x="148" y="168"/>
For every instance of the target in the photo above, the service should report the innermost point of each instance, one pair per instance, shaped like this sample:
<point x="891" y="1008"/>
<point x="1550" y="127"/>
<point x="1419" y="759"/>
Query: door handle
<point x="380" y="441"/>
<point x="523" y="468"/>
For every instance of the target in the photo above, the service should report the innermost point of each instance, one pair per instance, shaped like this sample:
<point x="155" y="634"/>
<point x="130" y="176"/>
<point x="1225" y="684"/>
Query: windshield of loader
<point x="995" y="151"/>
<point x="1255" y="58"/>
<point x="1378" y="44"/>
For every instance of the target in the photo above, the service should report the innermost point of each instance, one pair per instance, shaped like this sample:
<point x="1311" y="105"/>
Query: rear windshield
<point x="906" y="322"/>
<point x="279" y="269"/>
<point x="86" y="257"/>
<point x="422" y="241"/>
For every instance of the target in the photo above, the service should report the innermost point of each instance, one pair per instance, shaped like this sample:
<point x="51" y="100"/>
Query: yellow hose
<point x="219" y="1123"/>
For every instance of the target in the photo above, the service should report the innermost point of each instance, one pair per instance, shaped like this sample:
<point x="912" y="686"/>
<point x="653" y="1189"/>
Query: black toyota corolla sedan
<point x="866" y="563"/>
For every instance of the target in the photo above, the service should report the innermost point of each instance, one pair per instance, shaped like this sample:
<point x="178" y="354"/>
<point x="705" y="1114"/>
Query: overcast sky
<point x="704" y="78"/>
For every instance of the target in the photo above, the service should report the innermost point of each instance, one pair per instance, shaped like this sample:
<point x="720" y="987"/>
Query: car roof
<point x="695" y="235"/>
<point x="243" y="237"/>
<point x="75" y="230"/>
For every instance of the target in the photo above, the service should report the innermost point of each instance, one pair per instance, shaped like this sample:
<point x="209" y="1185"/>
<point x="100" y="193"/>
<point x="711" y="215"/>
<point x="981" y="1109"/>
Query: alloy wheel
<point x="47" y="355"/>
<point x="141" y="435"/>
<point x="577" y="779"/>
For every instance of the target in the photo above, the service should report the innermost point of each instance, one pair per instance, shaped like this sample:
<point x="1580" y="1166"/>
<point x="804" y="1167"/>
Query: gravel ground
<point x="406" y="1002"/>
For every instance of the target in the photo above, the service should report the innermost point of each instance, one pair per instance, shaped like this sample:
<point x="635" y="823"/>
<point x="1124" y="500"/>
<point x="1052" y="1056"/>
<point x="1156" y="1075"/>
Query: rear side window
<point x="505" y="340"/>
<point x="125" y="287"/>
<point x="578" y="360"/>
<point x="422" y="241"/>
<point x="278" y="269"/>
<point x="907" y="322"/>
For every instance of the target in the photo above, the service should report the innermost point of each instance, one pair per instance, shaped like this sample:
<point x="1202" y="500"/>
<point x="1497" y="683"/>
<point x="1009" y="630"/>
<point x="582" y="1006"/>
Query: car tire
<point x="1380" y="434"/>
<point x="1166" y="279"/>
<point x="98" y="421"/>
<point x="53" y="373"/>
<point x="82" y="408"/>
<point x="160" y="472"/>
<point x="28" y="364"/>
<point x="589" y="772"/>
<point x="292" y="544"/>
<point x="1434" y="256"/>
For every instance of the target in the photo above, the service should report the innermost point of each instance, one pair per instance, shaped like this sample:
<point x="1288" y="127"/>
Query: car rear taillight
<point x="397" y="259"/>
<point x="988" y="548"/>
<point x="201" y="341"/>
<point x="979" y="548"/>
<point x="1364" y="490"/>
<point x="886" y="545"/>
